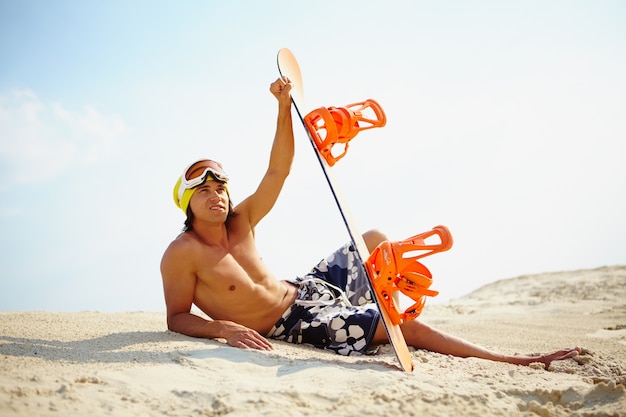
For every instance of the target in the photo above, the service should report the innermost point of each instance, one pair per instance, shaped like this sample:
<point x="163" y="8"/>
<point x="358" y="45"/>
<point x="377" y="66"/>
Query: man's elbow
<point x="170" y="326"/>
<point x="173" y="323"/>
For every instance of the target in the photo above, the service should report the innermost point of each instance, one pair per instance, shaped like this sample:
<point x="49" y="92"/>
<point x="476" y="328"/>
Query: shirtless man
<point x="215" y="265"/>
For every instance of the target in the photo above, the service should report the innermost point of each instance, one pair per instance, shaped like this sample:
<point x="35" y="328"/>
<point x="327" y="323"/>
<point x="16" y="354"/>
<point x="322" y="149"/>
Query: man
<point x="215" y="265"/>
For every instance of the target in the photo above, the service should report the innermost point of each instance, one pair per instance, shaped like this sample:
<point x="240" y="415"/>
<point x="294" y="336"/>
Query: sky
<point x="506" y="122"/>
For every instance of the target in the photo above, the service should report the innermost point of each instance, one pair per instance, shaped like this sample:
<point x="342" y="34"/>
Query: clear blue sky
<point x="506" y="122"/>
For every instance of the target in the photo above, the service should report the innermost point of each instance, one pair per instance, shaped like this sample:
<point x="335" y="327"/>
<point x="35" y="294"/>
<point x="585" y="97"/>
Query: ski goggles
<point x="195" y="175"/>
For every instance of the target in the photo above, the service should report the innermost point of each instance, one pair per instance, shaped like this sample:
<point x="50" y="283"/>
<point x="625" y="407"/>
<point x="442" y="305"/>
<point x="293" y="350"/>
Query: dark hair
<point x="188" y="227"/>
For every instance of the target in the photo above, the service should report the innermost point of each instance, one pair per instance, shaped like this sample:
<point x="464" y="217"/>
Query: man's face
<point x="210" y="202"/>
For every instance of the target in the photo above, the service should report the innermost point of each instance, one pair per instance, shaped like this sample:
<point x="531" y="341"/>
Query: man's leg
<point x="342" y="270"/>
<point x="422" y="336"/>
<point x="373" y="238"/>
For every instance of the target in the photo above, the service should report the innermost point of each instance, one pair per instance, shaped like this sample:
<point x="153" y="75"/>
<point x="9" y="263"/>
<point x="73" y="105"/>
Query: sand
<point x="129" y="364"/>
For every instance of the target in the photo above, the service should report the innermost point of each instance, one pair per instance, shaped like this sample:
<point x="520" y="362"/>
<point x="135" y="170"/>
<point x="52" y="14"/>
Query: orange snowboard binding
<point x="338" y="125"/>
<point x="394" y="267"/>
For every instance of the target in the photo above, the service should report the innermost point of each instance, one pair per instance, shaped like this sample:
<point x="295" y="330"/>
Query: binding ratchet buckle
<point x="338" y="125"/>
<point x="393" y="266"/>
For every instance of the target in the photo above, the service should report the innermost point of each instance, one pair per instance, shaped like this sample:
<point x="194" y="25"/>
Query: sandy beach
<point x="129" y="364"/>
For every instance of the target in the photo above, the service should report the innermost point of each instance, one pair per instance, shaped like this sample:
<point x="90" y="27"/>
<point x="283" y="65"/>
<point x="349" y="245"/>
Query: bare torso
<point x="231" y="280"/>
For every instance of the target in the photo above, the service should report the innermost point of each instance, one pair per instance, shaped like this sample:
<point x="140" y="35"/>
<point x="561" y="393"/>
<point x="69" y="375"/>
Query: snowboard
<point x="288" y="67"/>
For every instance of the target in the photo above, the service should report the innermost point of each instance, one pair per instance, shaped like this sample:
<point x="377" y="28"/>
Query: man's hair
<point x="188" y="227"/>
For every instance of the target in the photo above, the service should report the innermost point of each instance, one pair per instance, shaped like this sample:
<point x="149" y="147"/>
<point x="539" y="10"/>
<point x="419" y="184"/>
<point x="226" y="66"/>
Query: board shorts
<point x="334" y="308"/>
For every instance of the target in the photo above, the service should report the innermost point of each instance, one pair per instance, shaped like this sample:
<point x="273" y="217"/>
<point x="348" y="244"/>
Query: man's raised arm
<point x="281" y="158"/>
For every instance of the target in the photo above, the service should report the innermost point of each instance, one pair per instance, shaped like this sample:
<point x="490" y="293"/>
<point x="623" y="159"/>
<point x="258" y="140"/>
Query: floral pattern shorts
<point x="334" y="308"/>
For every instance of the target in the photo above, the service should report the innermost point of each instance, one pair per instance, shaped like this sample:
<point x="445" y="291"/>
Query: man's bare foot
<point x="547" y="358"/>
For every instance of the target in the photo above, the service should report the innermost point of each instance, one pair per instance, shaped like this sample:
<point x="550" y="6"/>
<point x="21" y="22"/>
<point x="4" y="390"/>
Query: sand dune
<point x="128" y="364"/>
